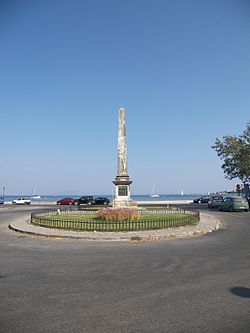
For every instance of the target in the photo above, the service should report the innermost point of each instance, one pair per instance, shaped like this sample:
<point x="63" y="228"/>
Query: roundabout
<point x="206" y="224"/>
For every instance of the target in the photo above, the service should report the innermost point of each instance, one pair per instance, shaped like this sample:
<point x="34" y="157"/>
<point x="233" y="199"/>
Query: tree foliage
<point x="235" y="153"/>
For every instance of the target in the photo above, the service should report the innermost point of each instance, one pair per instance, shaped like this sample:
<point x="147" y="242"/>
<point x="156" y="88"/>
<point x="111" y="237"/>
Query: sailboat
<point x="153" y="194"/>
<point x="35" y="196"/>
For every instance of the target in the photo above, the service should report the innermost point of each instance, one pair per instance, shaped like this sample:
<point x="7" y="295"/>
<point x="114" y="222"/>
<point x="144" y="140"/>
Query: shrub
<point x="119" y="214"/>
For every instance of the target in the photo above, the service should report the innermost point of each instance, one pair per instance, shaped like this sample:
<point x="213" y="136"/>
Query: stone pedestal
<point x="122" y="192"/>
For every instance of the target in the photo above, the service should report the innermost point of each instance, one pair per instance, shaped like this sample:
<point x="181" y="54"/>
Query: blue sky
<point x="181" y="69"/>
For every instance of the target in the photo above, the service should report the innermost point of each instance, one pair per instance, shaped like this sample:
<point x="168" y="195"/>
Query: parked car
<point x="101" y="201"/>
<point x="66" y="201"/>
<point x="91" y="200"/>
<point x="1" y="201"/>
<point x="87" y="199"/>
<point x="215" y="201"/>
<point x="234" y="204"/>
<point x="203" y="199"/>
<point x="21" y="201"/>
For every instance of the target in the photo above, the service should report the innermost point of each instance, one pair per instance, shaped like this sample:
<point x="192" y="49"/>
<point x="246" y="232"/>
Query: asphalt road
<point x="192" y="285"/>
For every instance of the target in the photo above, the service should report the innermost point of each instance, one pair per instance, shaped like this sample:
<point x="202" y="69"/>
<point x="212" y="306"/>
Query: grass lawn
<point x="94" y="217"/>
<point x="90" y="222"/>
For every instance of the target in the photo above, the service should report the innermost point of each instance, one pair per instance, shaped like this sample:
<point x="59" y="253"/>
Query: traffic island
<point x="206" y="224"/>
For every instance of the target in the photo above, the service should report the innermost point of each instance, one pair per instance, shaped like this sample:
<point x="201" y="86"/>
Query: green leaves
<point x="235" y="153"/>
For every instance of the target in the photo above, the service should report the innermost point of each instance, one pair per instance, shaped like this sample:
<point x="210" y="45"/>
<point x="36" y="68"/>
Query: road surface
<point x="199" y="284"/>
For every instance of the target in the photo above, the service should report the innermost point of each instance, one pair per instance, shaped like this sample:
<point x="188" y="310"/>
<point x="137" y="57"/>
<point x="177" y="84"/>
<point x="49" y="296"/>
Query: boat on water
<point x="153" y="194"/>
<point x="38" y="197"/>
<point x="34" y="195"/>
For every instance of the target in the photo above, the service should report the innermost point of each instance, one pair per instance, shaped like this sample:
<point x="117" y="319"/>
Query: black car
<point x="101" y="201"/>
<point x="90" y="200"/>
<point x="87" y="199"/>
<point x="203" y="199"/>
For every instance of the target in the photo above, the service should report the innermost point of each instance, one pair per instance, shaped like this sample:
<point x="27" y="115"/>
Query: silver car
<point x="215" y="201"/>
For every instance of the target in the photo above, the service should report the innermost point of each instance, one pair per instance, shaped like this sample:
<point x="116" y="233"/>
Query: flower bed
<point x="119" y="214"/>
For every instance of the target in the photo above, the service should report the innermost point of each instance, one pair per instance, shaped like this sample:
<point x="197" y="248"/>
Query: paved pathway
<point x="207" y="224"/>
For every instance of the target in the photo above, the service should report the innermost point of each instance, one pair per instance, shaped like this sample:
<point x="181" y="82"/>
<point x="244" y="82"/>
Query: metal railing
<point x="51" y="219"/>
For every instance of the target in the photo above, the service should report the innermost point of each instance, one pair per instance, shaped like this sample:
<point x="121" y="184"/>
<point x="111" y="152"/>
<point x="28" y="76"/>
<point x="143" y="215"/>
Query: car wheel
<point x="59" y="203"/>
<point x="230" y="209"/>
<point x="76" y="203"/>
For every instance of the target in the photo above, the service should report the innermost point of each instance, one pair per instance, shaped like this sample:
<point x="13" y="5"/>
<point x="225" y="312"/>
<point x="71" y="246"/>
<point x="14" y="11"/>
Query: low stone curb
<point x="207" y="224"/>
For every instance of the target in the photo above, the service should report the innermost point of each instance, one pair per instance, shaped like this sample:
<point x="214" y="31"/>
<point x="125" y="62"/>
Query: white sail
<point x="34" y="195"/>
<point x="153" y="194"/>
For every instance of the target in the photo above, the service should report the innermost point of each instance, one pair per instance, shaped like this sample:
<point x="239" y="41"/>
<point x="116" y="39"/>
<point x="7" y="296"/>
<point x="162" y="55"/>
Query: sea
<point x="143" y="197"/>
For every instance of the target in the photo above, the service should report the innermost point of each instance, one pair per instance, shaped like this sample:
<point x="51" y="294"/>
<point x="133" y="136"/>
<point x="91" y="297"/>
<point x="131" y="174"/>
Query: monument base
<point x="122" y="192"/>
<point x="124" y="203"/>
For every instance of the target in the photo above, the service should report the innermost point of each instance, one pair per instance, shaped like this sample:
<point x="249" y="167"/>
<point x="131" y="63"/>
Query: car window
<point x="239" y="199"/>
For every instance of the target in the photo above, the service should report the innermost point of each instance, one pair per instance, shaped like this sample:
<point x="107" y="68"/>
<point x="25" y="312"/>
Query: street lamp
<point x="3" y="192"/>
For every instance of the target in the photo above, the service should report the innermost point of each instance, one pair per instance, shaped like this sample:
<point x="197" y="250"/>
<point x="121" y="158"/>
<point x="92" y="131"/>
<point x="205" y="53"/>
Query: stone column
<point x="122" y="181"/>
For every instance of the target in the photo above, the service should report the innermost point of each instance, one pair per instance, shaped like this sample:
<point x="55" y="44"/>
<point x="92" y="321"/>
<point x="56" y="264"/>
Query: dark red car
<point x="66" y="201"/>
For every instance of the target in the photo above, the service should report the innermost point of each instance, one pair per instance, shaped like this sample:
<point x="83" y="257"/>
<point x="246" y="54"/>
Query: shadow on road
<point x="241" y="291"/>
